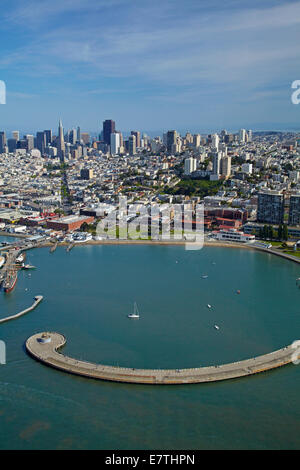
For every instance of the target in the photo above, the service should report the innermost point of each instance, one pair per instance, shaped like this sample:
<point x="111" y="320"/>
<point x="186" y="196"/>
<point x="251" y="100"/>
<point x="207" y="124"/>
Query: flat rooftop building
<point x="68" y="223"/>
<point x="270" y="207"/>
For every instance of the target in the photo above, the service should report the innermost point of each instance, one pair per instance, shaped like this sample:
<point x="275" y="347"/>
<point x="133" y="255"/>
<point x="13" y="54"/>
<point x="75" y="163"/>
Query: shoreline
<point x="219" y="244"/>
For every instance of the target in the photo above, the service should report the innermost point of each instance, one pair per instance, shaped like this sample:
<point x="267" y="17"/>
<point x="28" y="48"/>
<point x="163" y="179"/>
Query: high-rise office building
<point x="294" y="211"/>
<point x="12" y="145"/>
<point x="78" y="134"/>
<point x="270" y="207"/>
<point x="61" y="149"/>
<point x="48" y="136"/>
<point x="85" y="137"/>
<point x="109" y="128"/>
<point x="196" y="140"/>
<point x="188" y="138"/>
<point x="30" y="142"/>
<point x="2" y="142"/>
<point x="171" y="141"/>
<point x="242" y="135"/>
<point x="73" y="136"/>
<point x="41" y="142"/>
<point x="137" y="135"/>
<point x="132" y="145"/>
<point x="16" y="135"/>
<point x="114" y="143"/>
<point x="215" y="141"/>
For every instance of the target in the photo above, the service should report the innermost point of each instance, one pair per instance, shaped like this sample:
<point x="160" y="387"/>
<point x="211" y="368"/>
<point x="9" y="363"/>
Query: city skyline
<point x="172" y="65"/>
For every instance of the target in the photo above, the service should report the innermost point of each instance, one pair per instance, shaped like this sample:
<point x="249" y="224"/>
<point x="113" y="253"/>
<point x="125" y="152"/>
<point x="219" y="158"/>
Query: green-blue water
<point x="87" y="296"/>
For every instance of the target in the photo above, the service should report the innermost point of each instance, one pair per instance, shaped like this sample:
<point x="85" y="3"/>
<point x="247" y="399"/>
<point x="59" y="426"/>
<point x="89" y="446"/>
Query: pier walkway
<point x="37" y="300"/>
<point x="44" y="347"/>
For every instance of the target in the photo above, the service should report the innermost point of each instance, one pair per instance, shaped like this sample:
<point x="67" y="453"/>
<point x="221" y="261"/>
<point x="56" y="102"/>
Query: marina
<point x="168" y="336"/>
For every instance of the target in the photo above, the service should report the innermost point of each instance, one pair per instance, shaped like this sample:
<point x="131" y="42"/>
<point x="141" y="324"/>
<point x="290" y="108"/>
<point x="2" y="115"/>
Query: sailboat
<point x="135" y="313"/>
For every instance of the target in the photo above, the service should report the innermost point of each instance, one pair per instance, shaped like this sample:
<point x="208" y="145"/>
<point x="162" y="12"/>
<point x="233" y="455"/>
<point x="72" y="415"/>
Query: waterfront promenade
<point x="44" y="347"/>
<point x="37" y="300"/>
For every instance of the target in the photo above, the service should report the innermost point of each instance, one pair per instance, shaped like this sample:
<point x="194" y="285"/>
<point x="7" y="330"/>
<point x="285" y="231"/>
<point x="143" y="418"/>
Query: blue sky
<point x="151" y="65"/>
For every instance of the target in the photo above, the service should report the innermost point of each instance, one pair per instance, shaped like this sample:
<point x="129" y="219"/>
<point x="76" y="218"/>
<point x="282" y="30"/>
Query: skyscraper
<point x="73" y="136"/>
<point x="78" y="134"/>
<point x="215" y="141"/>
<point x="137" y="135"/>
<point x="2" y="142"/>
<point x="12" y="145"/>
<point x="61" y="143"/>
<point x="109" y="128"/>
<point x="171" y="140"/>
<point x="29" y="142"/>
<point x="115" y="143"/>
<point x="242" y="135"/>
<point x="41" y="142"/>
<point x="132" y="144"/>
<point x="16" y="135"/>
<point x="48" y="136"/>
<point x="197" y="140"/>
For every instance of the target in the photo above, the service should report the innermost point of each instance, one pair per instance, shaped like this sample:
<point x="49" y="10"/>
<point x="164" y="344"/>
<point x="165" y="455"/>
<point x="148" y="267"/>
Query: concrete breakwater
<point x="37" y="300"/>
<point x="44" y="347"/>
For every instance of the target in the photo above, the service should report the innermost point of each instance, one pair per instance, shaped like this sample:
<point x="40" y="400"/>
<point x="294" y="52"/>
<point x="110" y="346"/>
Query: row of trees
<point x="269" y="233"/>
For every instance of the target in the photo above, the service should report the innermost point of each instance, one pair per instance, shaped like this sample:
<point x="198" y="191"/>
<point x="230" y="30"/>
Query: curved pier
<point x="44" y="347"/>
<point x="37" y="300"/>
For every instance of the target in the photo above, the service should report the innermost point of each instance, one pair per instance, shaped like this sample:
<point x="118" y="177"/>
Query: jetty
<point x="44" y="347"/>
<point x="53" y="247"/>
<point x="37" y="301"/>
<point x="70" y="247"/>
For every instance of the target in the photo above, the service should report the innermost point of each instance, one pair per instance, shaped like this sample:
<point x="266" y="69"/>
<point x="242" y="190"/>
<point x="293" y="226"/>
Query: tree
<point x="265" y="232"/>
<point x="285" y="235"/>
<point x="270" y="232"/>
<point x="279" y="232"/>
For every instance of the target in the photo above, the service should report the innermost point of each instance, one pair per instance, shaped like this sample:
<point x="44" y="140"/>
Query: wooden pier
<point x="44" y="347"/>
<point x="37" y="300"/>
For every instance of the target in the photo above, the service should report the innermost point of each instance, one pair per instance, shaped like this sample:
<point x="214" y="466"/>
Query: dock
<point x="44" y="347"/>
<point x="70" y="247"/>
<point x="53" y="247"/>
<point x="37" y="301"/>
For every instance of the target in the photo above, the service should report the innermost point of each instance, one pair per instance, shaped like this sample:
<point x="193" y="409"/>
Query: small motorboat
<point x="208" y="306"/>
<point x="216" y="327"/>
<point x="204" y="276"/>
<point x="238" y="291"/>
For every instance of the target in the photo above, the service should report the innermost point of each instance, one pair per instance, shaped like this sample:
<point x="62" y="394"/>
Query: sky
<point x="151" y="65"/>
